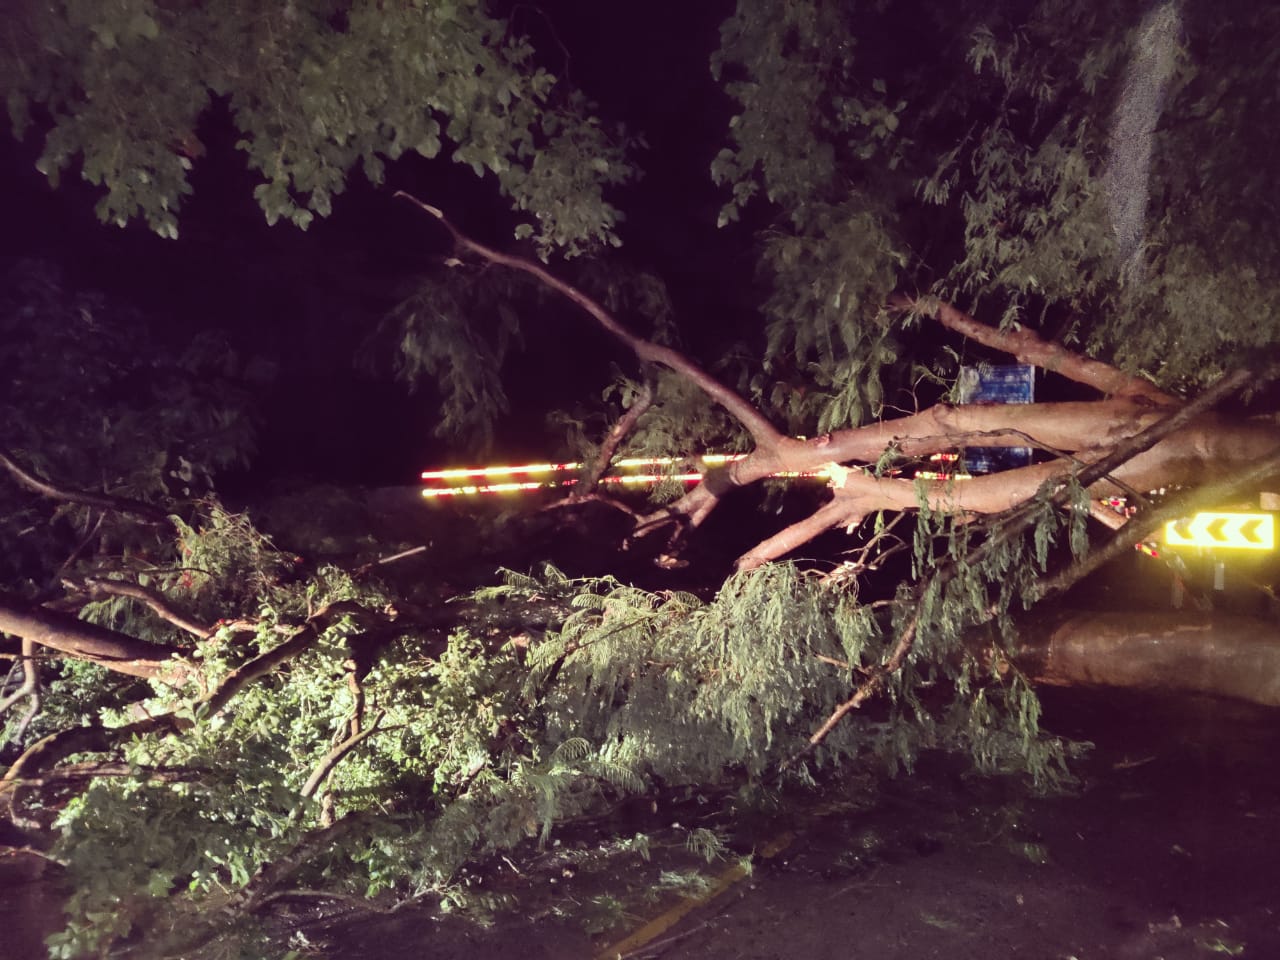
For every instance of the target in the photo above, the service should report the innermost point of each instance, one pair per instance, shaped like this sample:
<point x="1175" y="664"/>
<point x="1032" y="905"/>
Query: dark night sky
<point x="307" y="299"/>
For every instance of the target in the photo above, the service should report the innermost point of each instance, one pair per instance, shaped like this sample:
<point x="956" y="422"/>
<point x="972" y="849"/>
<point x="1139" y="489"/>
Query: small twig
<point x="83" y="545"/>
<point x="32" y="851"/>
<point x="836" y="662"/>
<point x="411" y="552"/>
<point x="862" y="564"/>
<point x="656" y="948"/>
<point x="626" y="423"/>
<point x="597" y="497"/>
<point x="363" y="903"/>
<point x="878" y="675"/>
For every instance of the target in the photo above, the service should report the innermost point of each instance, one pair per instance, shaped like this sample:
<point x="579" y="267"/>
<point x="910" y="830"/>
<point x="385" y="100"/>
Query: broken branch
<point x="762" y="431"/>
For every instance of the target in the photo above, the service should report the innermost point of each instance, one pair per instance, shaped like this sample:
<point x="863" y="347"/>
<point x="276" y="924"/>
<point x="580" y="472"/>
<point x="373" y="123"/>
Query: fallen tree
<point x="1172" y="652"/>
<point x="242" y="719"/>
<point x="1181" y="444"/>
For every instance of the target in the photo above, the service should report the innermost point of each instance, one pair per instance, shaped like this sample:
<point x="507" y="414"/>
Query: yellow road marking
<point x="664" y="922"/>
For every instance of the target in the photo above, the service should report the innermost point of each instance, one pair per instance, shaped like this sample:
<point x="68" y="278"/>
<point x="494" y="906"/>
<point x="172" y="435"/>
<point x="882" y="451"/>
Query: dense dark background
<point x="302" y="303"/>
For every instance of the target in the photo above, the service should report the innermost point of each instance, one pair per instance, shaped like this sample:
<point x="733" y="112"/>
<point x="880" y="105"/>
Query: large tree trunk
<point x="1177" y="652"/>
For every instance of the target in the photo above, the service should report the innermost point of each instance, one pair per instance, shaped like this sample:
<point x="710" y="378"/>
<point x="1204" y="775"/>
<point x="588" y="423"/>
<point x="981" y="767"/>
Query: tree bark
<point x="1079" y="435"/>
<point x="82" y="640"/>
<point x="1173" y="652"/>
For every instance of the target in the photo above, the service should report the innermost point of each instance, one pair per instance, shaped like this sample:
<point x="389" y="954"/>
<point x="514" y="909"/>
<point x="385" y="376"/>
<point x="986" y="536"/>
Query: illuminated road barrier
<point x="520" y="478"/>
<point x="471" y="481"/>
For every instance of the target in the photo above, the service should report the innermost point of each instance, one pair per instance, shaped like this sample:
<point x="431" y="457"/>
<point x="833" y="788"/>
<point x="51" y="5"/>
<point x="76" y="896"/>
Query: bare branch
<point x="153" y="599"/>
<point x="44" y="488"/>
<point x="870" y="556"/>
<point x="96" y="739"/>
<point x="1065" y="427"/>
<point x="762" y="431"/>
<point x="30" y="688"/>
<point x="626" y="423"/>
<point x="1024" y="345"/>
<point x="334" y="756"/>
<point x="870" y="686"/>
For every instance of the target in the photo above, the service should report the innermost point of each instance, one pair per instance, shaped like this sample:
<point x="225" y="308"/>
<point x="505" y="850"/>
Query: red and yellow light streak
<point x="520" y="478"/>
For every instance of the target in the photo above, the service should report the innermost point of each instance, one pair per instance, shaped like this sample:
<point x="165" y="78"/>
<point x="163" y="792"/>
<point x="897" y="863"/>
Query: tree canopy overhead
<point x="317" y="91"/>
<point x="1082" y="188"/>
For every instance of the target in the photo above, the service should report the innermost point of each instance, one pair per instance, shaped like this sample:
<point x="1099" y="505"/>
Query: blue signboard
<point x="997" y="383"/>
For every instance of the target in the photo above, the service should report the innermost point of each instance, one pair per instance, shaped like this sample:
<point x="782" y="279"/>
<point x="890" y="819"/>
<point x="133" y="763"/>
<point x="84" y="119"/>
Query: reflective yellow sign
<point x="1234" y="531"/>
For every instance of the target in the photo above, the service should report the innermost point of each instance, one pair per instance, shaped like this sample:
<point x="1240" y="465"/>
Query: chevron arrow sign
<point x="1237" y="531"/>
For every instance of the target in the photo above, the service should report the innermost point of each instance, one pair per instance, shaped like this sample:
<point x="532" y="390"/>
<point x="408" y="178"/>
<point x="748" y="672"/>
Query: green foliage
<point x="316" y="89"/>
<point x="454" y="766"/>
<point x="693" y="691"/>
<point x="817" y="137"/>
<point x="977" y="173"/>
<point x="1040" y="230"/>
<point x="454" y="333"/>
<point x="985" y="167"/>
<point x="476" y="745"/>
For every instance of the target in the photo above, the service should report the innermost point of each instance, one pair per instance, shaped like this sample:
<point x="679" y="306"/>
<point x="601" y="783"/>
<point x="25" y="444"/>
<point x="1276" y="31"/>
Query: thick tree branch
<point x="1133" y="403"/>
<point x="95" y="739"/>
<point x="1025" y="346"/>
<point x="1140" y="527"/>
<point x="762" y="431"/>
<point x="1067" y="427"/>
<point x="1133" y="454"/>
<point x="77" y="638"/>
<point x="1023" y="516"/>
<point x="117" y="504"/>
<point x="838" y="512"/>
<point x="1159" y="448"/>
